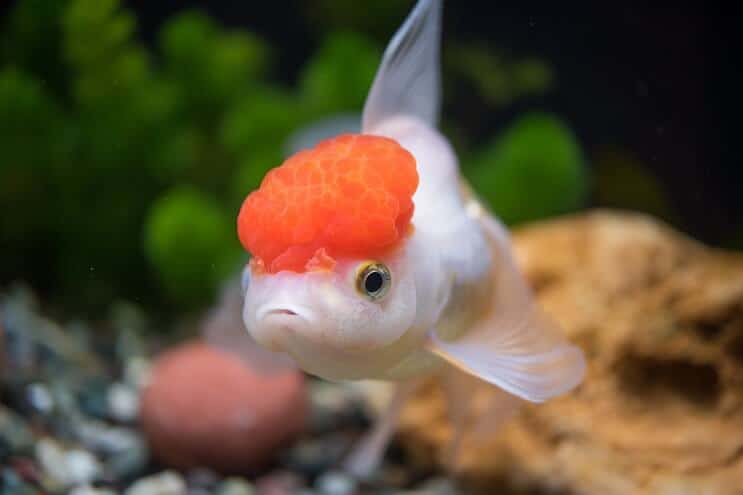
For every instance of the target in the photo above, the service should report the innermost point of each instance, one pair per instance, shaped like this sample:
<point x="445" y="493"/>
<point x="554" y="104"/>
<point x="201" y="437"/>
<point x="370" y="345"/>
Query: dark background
<point x="650" y="94"/>
<point x="658" y="81"/>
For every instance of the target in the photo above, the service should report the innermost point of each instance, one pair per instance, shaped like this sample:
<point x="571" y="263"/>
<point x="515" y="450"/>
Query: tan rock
<point x="661" y="411"/>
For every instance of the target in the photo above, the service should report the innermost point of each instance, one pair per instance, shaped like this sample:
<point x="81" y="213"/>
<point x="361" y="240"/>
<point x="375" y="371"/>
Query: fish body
<point x="372" y="259"/>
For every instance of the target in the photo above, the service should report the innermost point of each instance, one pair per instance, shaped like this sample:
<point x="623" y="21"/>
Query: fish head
<point x="344" y="322"/>
<point x="332" y="281"/>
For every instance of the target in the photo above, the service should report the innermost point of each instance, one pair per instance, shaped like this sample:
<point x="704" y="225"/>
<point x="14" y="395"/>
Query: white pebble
<point x="90" y="490"/>
<point x="40" y="398"/>
<point x="335" y="483"/>
<point x="82" y="466"/>
<point x="98" y="436"/>
<point x="123" y="402"/>
<point x="137" y="372"/>
<point x="235" y="486"/>
<point x="165" y="483"/>
<point x="71" y="467"/>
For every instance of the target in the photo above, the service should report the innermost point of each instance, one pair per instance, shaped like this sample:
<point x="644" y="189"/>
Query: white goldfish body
<point x="452" y="293"/>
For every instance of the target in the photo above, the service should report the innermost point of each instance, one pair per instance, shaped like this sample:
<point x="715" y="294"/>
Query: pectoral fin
<point x="516" y="346"/>
<point x="522" y="360"/>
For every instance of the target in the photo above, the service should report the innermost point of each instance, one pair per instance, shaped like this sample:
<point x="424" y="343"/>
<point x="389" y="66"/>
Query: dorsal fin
<point x="408" y="81"/>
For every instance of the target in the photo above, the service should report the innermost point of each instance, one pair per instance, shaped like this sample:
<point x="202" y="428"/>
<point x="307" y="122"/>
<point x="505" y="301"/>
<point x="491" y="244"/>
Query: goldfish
<point x="372" y="258"/>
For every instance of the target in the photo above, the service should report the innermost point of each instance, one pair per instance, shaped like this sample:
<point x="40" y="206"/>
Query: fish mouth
<point x="277" y="325"/>
<point x="282" y="310"/>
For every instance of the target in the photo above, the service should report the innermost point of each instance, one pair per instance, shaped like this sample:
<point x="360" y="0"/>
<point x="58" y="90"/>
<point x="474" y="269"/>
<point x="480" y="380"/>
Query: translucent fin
<point x="499" y="408"/>
<point x="475" y="414"/>
<point x="367" y="455"/>
<point x="459" y="389"/>
<point x="408" y="80"/>
<point x="516" y="347"/>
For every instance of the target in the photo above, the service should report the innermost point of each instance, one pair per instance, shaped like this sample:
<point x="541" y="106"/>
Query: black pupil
<point x="373" y="282"/>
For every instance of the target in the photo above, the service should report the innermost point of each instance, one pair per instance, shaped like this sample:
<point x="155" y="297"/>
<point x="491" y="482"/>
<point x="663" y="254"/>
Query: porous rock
<point x="660" y="318"/>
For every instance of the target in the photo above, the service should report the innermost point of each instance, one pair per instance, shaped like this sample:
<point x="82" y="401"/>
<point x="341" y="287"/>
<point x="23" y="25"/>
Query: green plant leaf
<point x="192" y="244"/>
<point x="535" y="169"/>
<point x="499" y="80"/>
<point x="339" y="75"/>
<point x="622" y="181"/>
<point x="31" y="39"/>
<point x="212" y="68"/>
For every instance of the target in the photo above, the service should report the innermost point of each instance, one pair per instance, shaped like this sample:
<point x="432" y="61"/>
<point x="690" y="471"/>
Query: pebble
<point x="16" y="313"/>
<point x="86" y="437"/>
<point x="279" y="483"/>
<point x="131" y="324"/>
<point x="15" y="436"/>
<point x="68" y="467"/>
<point x="106" y="439"/>
<point x="333" y="405"/>
<point x="235" y="486"/>
<point x="25" y="468"/>
<point x="39" y="398"/>
<point x="164" y="483"/>
<point x="128" y="463"/>
<point x="12" y="484"/>
<point x="90" y="490"/>
<point x="335" y="483"/>
<point x="81" y="465"/>
<point x="137" y="371"/>
<point x="435" y="486"/>
<point x="312" y="456"/>
<point x="92" y="397"/>
<point x="201" y="478"/>
<point x="64" y="399"/>
<point x="123" y="402"/>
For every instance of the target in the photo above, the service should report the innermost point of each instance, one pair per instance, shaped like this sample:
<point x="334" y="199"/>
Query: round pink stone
<point x="207" y="407"/>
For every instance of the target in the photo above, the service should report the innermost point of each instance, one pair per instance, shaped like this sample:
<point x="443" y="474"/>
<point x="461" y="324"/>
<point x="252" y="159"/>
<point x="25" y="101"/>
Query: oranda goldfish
<point x="372" y="258"/>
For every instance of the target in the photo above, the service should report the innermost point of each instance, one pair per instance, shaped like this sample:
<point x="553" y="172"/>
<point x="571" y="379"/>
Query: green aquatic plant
<point x="499" y="80"/>
<point x="378" y="18"/>
<point x="185" y="226"/>
<point x="124" y="164"/>
<point x="534" y="169"/>
<point x="621" y="180"/>
<point x="211" y="68"/>
<point x="338" y="77"/>
<point x="30" y="117"/>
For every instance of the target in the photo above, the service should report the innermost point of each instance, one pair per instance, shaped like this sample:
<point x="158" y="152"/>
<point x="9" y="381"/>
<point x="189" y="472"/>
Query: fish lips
<point x="274" y="324"/>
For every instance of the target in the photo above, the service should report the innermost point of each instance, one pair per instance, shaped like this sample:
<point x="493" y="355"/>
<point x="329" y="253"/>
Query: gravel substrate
<point x="69" y="420"/>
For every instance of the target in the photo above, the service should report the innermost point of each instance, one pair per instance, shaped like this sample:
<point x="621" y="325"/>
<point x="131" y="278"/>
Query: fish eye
<point x="373" y="280"/>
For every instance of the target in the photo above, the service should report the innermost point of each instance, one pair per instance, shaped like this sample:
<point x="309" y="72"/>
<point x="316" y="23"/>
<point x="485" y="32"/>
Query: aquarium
<point x="531" y="223"/>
